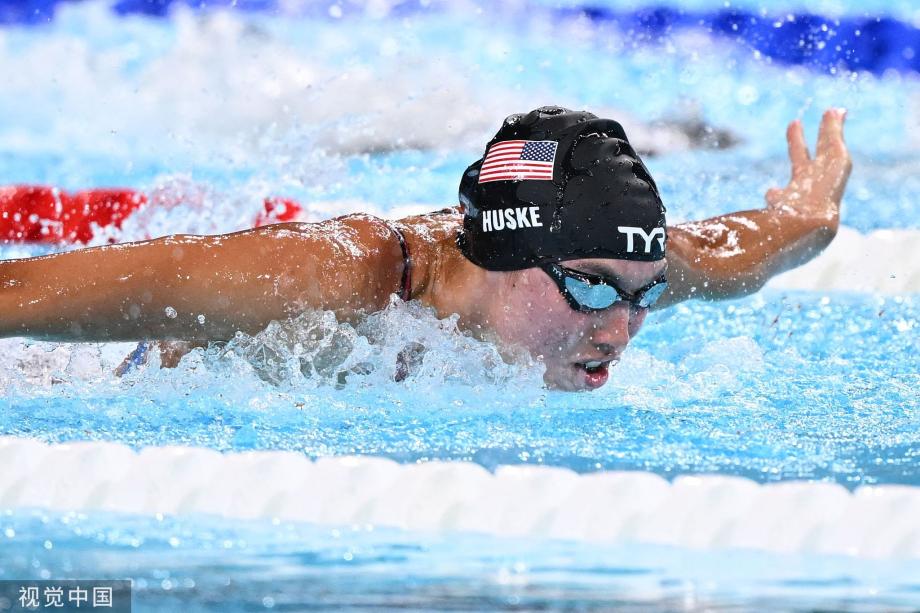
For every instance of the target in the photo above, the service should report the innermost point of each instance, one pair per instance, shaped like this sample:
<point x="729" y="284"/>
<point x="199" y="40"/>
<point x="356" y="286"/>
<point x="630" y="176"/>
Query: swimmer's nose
<point x="608" y="350"/>
<point x="611" y="331"/>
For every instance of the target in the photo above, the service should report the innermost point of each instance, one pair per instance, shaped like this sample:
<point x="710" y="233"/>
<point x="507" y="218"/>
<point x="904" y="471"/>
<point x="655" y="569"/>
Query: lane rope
<point x="534" y="501"/>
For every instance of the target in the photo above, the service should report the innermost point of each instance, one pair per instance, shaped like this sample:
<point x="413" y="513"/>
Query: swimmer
<point x="559" y="248"/>
<point x="40" y="214"/>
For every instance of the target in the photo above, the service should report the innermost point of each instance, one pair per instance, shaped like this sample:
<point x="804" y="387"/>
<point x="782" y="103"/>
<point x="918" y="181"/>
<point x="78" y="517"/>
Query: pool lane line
<point x="823" y="43"/>
<point x="880" y="262"/>
<point x="703" y="512"/>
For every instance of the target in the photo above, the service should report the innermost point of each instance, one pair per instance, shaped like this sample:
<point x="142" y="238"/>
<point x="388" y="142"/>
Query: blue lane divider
<point x="26" y="11"/>
<point x="828" y="44"/>
<point x="873" y="44"/>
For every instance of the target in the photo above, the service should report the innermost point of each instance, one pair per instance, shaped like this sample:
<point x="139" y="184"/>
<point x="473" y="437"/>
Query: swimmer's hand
<point x="170" y="353"/>
<point x="736" y="254"/>
<point x="817" y="185"/>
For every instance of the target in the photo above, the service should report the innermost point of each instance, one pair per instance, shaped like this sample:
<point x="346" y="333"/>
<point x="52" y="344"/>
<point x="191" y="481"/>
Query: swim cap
<point x="557" y="185"/>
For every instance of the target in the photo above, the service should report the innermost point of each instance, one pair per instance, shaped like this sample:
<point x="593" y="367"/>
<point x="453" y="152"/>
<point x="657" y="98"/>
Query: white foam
<point x="255" y="91"/>
<point x="533" y="501"/>
<point x="883" y="261"/>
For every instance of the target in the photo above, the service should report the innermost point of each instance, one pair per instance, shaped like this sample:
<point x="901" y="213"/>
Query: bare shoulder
<point x="369" y="232"/>
<point x="355" y="236"/>
<point x="434" y="227"/>
<point x="353" y="262"/>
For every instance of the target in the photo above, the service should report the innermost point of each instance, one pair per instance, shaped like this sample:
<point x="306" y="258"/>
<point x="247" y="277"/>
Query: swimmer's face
<point x="534" y="315"/>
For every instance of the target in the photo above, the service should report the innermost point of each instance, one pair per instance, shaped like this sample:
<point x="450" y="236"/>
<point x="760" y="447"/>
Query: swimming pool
<point x="756" y="454"/>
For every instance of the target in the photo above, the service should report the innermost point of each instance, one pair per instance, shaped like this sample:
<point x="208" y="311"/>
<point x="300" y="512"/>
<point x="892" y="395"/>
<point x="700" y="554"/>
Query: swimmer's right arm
<point x="197" y="287"/>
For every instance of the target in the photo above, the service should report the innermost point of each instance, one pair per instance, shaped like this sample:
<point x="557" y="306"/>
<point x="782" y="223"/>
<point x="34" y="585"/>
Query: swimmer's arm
<point x="734" y="255"/>
<point x="198" y="288"/>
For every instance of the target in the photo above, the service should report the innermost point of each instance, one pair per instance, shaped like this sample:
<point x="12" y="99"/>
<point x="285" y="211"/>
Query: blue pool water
<point x="775" y="387"/>
<point x="219" y="109"/>
<point x="208" y="564"/>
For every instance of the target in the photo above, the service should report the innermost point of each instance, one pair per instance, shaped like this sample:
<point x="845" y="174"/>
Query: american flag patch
<point x="519" y="160"/>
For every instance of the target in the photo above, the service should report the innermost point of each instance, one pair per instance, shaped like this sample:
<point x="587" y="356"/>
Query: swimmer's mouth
<point x="594" y="365"/>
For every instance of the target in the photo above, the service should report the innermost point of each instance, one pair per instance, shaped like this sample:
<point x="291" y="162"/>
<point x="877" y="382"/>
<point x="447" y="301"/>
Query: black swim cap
<point x="557" y="185"/>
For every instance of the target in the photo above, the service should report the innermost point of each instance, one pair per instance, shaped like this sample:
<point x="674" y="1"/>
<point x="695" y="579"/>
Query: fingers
<point x="832" y="156"/>
<point x="798" y="149"/>
<point x="830" y="135"/>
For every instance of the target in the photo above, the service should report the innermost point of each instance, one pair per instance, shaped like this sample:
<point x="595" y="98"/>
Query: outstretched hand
<point x="817" y="184"/>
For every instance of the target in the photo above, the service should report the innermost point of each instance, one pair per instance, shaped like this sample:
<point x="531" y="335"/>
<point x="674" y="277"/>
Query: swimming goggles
<point x="586" y="292"/>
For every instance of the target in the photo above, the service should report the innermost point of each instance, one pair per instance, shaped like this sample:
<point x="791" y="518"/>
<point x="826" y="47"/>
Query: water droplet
<point x="171" y="312"/>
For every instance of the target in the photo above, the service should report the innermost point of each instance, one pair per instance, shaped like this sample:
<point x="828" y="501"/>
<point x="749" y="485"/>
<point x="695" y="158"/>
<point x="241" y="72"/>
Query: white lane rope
<point x="536" y="501"/>
<point x="883" y="261"/>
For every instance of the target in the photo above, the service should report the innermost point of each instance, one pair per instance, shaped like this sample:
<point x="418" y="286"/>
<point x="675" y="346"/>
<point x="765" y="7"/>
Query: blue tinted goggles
<point x="586" y="292"/>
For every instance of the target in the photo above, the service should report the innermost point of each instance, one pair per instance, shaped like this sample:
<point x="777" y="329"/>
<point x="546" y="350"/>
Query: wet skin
<point x="204" y="288"/>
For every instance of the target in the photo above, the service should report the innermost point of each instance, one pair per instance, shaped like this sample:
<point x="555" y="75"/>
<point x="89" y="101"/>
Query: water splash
<point x="404" y="345"/>
<point x="404" y="342"/>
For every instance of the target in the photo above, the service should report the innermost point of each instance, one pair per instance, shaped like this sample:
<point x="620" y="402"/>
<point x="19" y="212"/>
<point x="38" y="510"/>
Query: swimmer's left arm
<point x="734" y="255"/>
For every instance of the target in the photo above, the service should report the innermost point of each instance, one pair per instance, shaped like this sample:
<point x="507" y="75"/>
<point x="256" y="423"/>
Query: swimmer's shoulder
<point x="372" y="234"/>
<point x="436" y="226"/>
<point x="354" y="227"/>
<point x="445" y="215"/>
<point x="349" y="264"/>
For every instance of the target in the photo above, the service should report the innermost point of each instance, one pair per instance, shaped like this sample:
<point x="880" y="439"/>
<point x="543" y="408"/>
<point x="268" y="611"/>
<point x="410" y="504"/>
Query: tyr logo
<point x="631" y="231"/>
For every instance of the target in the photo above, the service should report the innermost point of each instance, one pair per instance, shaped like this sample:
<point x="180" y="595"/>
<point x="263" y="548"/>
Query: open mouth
<point x="594" y="366"/>
<point x="595" y="372"/>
